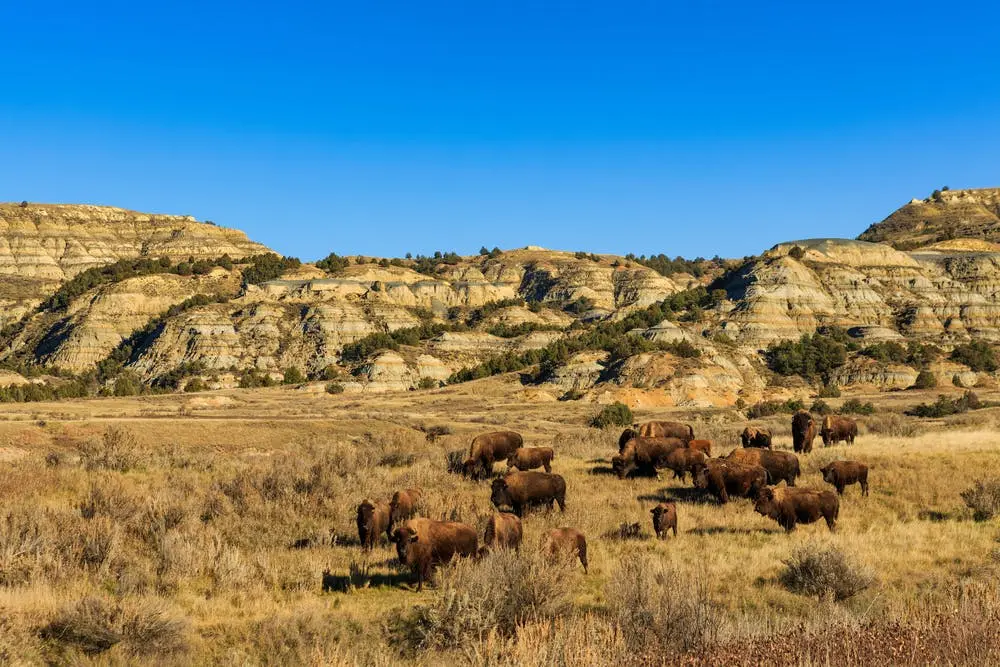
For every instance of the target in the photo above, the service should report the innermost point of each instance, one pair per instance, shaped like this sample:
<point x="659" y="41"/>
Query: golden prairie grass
<point x="210" y="533"/>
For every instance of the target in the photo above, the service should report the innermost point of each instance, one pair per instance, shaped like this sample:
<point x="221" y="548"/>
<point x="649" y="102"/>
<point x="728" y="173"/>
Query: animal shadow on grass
<point x="344" y="539"/>
<point x="729" y="530"/>
<point x="680" y="494"/>
<point x="360" y="577"/>
<point x="933" y="515"/>
<point x="626" y="531"/>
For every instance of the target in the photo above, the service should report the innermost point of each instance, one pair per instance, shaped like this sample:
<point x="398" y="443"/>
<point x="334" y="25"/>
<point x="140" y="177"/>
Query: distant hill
<point x="944" y="216"/>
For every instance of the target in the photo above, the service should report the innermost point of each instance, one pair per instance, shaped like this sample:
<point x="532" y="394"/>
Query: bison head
<point x="699" y="475"/>
<point x="366" y="516"/>
<point x="470" y="468"/>
<point x="403" y="537"/>
<point x="620" y="465"/>
<point x="627" y="435"/>
<point x="765" y="504"/>
<point x="828" y="474"/>
<point x="500" y="496"/>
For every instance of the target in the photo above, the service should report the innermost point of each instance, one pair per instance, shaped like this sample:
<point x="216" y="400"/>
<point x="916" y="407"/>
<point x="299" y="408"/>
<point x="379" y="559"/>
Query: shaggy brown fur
<point x="779" y="465"/>
<point x="424" y="543"/>
<point x="567" y="540"/>
<point x="836" y="428"/>
<point x="682" y="460"/>
<point x="755" y="436"/>
<point x="488" y="448"/>
<point x="373" y="520"/>
<point x="648" y="453"/>
<point x="404" y="504"/>
<point x="791" y="506"/>
<point x="503" y="531"/>
<point x="664" y="519"/>
<point x="529" y="458"/>
<point x="843" y="473"/>
<point x="728" y="478"/>
<point x="703" y="446"/>
<point x="520" y="490"/>
<point x="803" y="431"/>
<point x="665" y="429"/>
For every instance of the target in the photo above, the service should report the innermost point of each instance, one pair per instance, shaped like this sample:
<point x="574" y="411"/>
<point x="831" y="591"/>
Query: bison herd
<point x="753" y="471"/>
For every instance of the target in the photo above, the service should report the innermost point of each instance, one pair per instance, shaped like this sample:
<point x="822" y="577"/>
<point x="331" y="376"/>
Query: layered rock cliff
<point x="945" y="215"/>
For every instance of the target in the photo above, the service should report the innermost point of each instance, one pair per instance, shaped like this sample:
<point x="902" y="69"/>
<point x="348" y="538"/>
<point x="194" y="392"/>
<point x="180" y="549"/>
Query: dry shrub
<point x="587" y="640"/>
<point x="108" y="499"/>
<point x="824" y="571"/>
<point x="587" y="444"/>
<point x="94" y="626"/>
<point x="983" y="498"/>
<point x="893" y="425"/>
<point x="27" y="542"/>
<point x="454" y="461"/>
<point x="117" y="450"/>
<point x="659" y="607"/>
<point x="498" y="593"/>
<point x="99" y="541"/>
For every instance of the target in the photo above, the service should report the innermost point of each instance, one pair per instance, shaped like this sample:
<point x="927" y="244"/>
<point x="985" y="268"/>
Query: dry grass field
<point x="196" y="529"/>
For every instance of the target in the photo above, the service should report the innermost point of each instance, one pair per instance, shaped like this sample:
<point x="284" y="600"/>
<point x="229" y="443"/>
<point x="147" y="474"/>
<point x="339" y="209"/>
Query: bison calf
<point x="561" y="541"/>
<point x="529" y="458"/>
<point x="422" y="544"/>
<point x="520" y="490"/>
<point x="373" y="520"/>
<point x="790" y="506"/>
<point x="843" y="473"/>
<point x="488" y="448"/>
<point x="503" y="531"/>
<point x="664" y="519"/>
<point x="683" y="460"/>
<point x="779" y="465"/>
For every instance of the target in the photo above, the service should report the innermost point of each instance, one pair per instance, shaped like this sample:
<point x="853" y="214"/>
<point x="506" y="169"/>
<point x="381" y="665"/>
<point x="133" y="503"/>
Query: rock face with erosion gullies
<point x="944" y="216"/>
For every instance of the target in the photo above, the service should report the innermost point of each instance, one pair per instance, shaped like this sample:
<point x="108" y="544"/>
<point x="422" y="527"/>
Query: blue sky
<point x="691" y="128"/>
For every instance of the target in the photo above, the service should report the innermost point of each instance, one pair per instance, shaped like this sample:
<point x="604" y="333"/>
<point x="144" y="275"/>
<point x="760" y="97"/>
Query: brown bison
<point x="790" y="506"/>
<point x="837" y="428"/>
<point x="779" y="465"/>
<point x="560" y="541"/>
<point x="755" y="436"/>
<point x="373" y="519"/>
<point x="703" y="446"/>
<point x="529" y="458"/>
<point x="664" y="519"/>
<point x="646" y="453"/>
<point x="404" y="504"/>
<point x="503" y="531"/>
<point x="520" y="490"/>
<point x="803" y="431"/>
<point x="683" y="460"/>
<point x="423" y="543"/>
<point x="488" y="448"/>
<point x="842" y="473"/>
<point x="728" y="478"/>
<point x="627" y="435"/>
<point x="665" y="430"/>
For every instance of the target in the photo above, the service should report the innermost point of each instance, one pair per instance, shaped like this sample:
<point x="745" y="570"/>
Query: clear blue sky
<point x="378" y="128"/>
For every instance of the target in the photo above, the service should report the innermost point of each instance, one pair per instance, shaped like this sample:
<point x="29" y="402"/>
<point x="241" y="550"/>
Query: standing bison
<point x="843" y="473"/>
<point x="373" y="520"/>
<point x="503" y="531"/>
<point x="561" y="541"/>
<point x="404" y="504"/>
<point x="424" y="543"/>
<point x="521" y="490"/>
<point x="755" y="436"/>
<point x="646" y="453"/>
<point x="728" y="478"/>
<point x="664" y="519"/>
<point x="791" y="506"/>
<point x="683" y="460"/>
<point x="488" y="448"/>
<point x="529" y="458"/>
<point x="836" y="429"/>
<point x="665" y="430"/>
<point x="779" y="465"/>
<point x="803" y="432"/>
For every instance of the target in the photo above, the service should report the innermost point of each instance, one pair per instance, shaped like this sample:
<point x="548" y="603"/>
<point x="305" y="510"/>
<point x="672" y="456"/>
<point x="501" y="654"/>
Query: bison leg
<point x="864" y="486"/>
<point x="583" y="557"/>
<point x="840" y="488"/>
<point x="723" y="496"/>
<point x="548" y="466"/>
<point x="561" y="499"/>
<point x="831" y="521"/>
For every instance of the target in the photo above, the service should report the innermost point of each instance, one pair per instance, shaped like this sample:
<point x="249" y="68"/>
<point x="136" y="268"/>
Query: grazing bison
<point x="560" y="541"/>
<point x="837" y="428"/>
<point x="791" y="506"/>
<point x="703" y="446"/>
<point x="779" y="465"/>
<point x="373" y="519"/>
<point x="520" y="490"/>
<point x="842" y="473"/>
<point x="488" y="448"/>
<point x="683" y="460"/>
<point x="665" y="430"/>
<point x="404" y="504"/>
<point x="755" y="436"/>
<point x="647" y="453"/>
<point x="503" y="531"/>
<point x="529" y="458"/>
<point x="803" y="431"/>
<point x="728" y="478"/>
<point x="423" y="543"/>
<point x="664" y="519"/>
